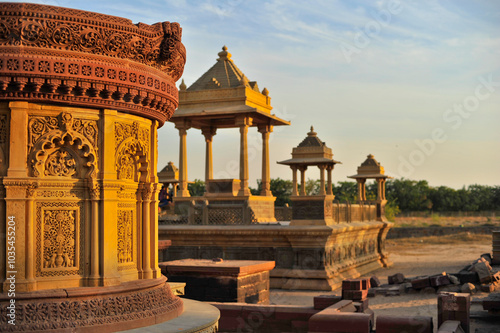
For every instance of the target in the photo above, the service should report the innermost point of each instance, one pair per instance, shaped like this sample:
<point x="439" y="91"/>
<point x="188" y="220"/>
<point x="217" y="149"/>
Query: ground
<point x="412" y="257"/>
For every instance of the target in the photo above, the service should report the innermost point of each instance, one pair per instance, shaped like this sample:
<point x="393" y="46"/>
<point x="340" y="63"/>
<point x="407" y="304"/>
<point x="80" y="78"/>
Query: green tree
<point x="281" y="189"/>
<point x="409" y="195"/>
<point x="345" y="191"/>
<point x="197" y="188"/>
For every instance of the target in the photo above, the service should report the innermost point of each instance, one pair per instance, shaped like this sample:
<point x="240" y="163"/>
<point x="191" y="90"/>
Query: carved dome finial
<point x="182" y="86"/>
<point x="224" y="55"/>
<point x="312" y="133"/>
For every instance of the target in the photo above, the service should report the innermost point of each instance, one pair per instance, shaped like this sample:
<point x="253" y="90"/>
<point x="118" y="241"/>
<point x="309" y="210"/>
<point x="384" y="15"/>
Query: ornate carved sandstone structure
<point x="81" y="98"/>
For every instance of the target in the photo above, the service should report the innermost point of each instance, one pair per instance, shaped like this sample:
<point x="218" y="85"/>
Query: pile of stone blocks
<point x="479" y="275"/>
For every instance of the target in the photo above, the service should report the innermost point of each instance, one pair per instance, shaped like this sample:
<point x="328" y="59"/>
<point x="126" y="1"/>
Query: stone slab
<point x="220" y="268"/>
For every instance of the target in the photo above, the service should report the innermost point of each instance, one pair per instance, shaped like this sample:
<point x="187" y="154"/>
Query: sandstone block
<point x="323" y="301"/>
<point x="439" y="280"/>
<point x="421" y="283"/>
<point x="374" y="281"/>
<point x="396" y="278"/>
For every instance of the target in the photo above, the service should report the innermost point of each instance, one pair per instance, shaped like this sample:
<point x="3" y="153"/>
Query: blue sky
<point x="415" y="83"/>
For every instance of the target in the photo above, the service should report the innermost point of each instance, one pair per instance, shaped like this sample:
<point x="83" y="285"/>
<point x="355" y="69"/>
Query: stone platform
<point x="243" y="281"/>
<point x="307" y="257"/>
<point x="132" y="304"/>
<point x="198" y="317"/>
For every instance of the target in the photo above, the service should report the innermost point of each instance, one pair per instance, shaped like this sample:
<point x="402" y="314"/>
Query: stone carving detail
<point x="58" y="226"/>
<point x="95" y="191"/>
<point x="132" y="147"/>
<point x="58" y="194"/>
<point x="4" y="128"/>
<point x="40" y="125"/>
<point x="65" y="56"/>
<point x="59" y="237"/>
<point x="157" y="46"/>
<point x="125" y="236"/>
<point x="62" y="146"/>
<point x="126" y="163"/>
<point x="63" y="314"/>
<point x="60" y="163"/>
<point x="304" y="210"/>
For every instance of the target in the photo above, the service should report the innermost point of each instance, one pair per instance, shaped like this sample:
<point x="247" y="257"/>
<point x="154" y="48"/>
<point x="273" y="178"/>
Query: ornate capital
<point x="208" y="132"/>
<point x="95" y="191"/>
<point x="31" y="190"/>
<point x="265" y="129"/>
<point x="146" y="192"/>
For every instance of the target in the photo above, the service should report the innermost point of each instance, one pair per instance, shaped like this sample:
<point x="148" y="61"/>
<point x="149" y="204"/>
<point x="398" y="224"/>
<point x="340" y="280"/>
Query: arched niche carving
<point x="132" y="161"/>
<point x="132" y="153"/>
<point x="63" y="154"/>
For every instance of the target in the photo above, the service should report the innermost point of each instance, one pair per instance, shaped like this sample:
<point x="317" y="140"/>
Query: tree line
<point x="404" y="194"/>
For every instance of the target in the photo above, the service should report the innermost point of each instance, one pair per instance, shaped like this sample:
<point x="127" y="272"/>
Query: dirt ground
<point x="446" y="221"/>
<point x="412" y="258"/>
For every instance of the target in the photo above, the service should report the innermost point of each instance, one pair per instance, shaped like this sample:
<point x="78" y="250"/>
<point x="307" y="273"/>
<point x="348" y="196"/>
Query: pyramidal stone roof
<point x="311" y="140"/>
<point x="224" y="74"/>
<point x="370" y="168"/>
<point x="311" y="151"/>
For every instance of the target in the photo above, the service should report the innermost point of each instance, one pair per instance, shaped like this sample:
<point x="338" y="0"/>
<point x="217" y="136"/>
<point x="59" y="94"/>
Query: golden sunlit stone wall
<point x="81" y="185"/>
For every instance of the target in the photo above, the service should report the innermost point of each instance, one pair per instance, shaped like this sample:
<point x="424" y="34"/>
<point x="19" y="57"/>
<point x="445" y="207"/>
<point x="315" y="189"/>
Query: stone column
<point x="383" y="188"/>
<point x="94" y="236"/>
<point x="244" y="123"/>
<point x="208" y="133"/>
<point x="303" y="169"/>
<point x="108" y="210"/>
<point x="147" y="273"/>
<point x="294" y="184"/>
<point x="329" y="190"/>
<point x="183" y="186"/>
<point x="322" y="168"/>
<point x="30" y="240"/>
<point x="18" y="149"/>
<point x="379" y="189"/>
<point x="361" y="189"/>
<point x="153" y="206"/>
<point x="266" y="178"/>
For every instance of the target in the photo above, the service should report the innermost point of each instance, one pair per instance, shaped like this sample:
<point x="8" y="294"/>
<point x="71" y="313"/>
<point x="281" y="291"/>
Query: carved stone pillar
<point x="379" y="189"/>
<point x="244" y="123"/>
<point x="183" y="188"/>
<point x="30" y="239"/>
<point x="266" y="178"/>
<point x="208" y="132"/>
<point x="322" y="168"/>
<point x="361" y="189"/>
<point x="302" y="169"/>
<point x="95" y="194"/>
<point x="329" y="190"/>
<point x="146" y="193"/>
<point x="295" y="190"/>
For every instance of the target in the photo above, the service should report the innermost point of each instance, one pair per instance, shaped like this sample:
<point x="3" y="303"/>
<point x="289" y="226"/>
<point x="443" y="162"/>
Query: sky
<point x="415" y="83"/>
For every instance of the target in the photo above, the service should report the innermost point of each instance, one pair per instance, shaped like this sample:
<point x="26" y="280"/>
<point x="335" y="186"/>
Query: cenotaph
<point x="82" y="96"/>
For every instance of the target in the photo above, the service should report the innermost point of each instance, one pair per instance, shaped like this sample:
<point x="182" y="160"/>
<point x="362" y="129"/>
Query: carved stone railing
<point x="359" y="212"/>
<point x="201" y="212"/>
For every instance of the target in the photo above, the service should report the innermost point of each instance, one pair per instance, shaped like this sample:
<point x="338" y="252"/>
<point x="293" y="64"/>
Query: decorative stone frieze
<point x="74" y="57"/>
